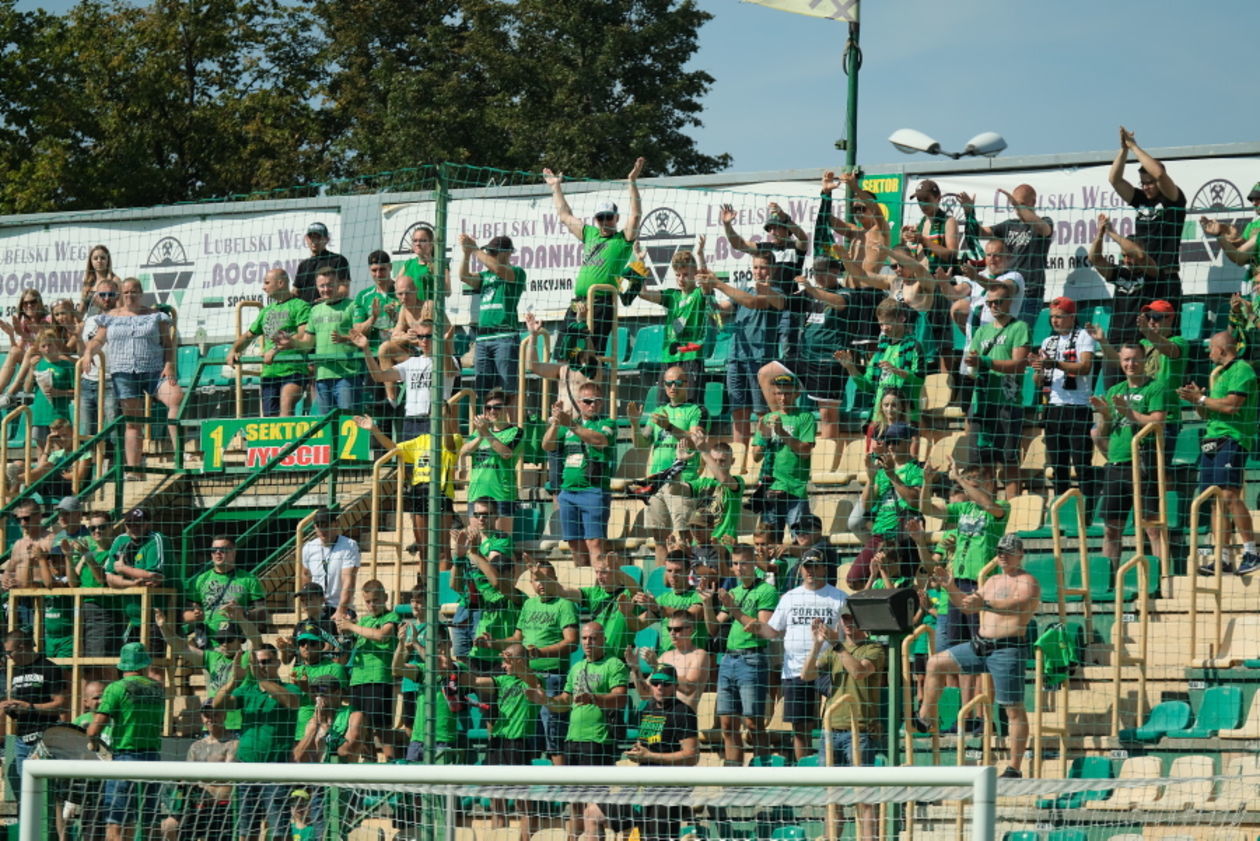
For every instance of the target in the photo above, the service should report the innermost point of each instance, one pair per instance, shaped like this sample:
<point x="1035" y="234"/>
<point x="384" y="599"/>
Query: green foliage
<point x="116" y="104"/>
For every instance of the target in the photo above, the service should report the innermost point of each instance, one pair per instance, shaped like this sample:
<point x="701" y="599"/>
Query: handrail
<point x="1119" y="658"/>
<point x="1140" y="522"/>
<point x="985" y="702"/>
<point x="17" y="412"/>
<point x="79" y="365"/>
<point x="522" y="373"/>
<point x="907" y="703"/>
<point x="299" y="540"/>
<point x="1038" y="726"/>
<point x="1056" y="534"/>
<point x="855" y="750"/>
<point x="378" y="468"/>
<point x="1213" y="493"/>
<point x="615" y="339"/>
<point x="239" y="378"/>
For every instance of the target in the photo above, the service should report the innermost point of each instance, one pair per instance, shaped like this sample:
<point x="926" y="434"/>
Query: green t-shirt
<point x="303" y="674"/>
<point x="1170" y="373"/>
<point x="213" y="589"/>
<point x="1235" y="378"/>
<point x="542" y="623"/>
<point x="978" y="533"/>
<point x="498" y="619"/>
<point x="496" y="314"/>
<point x="516" y="713"/>
<point x="1149" y="397"/>
<point x="995" y="390"/>
<point x="371" y="660"/>
<point x="136" y="706"/>
<point x="604" y="258"/>
<point x="218" y="669"/>
<point x="285" y="317"/>
<point x="716" y="495"/>
<point x="760" y="596"/>
<point x="58" y="627"/>
<point x="887" y="506"/>
<point x="44" y="410"/>
<point x="687" y="322"/>
<point x="789" y="471"/>
<point x="446" y="727"/>
<point x="605" y="608"/>
<point x="587" y="467"/>
<point x="386" y="319"/>
<point x="670" y="602"/>
<point x="267" y="726"/>
<point x="149" y="554"/>
<point x="587" y="722"/>
<point x="905" y="354"/>
<point x="327" y="318"/>
<point x="685" y="416"/>
<point x="490" y="474"/>
<point x="423" y="276"/>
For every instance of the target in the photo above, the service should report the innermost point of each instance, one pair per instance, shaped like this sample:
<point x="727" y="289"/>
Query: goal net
<point x="545" y="803"/>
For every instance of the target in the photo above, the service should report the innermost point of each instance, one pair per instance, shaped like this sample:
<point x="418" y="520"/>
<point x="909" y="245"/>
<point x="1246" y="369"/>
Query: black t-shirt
<point x="662" y="727"/>
<point x="1028" y="252"/>
<point x="35" y="683"/>
<point x="304" y="280"/>
<point x="1131" y="289"/>
<point x="1158" y="227"/>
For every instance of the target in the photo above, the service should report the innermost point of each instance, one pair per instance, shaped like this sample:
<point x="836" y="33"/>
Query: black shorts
<point x="656" y="823"/>
<point x="802" y="700"/>
<point x="820" y="379"/>
<point x="997" y="441"/>
<point x="1117" y="492"/>
<point x="416" y="500"/>
<point x="591" y="753"/>
<point x="376" y="702"/>
<point x="512" y="751"/>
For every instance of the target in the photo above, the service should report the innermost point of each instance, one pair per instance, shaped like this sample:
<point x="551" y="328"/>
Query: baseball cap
<point x="777" y="219"/>
<point x="325" y="684"/>
<point x="1064" y="304"/>
<point x="784" y="379"/>
<point x="229" y="631"/>
<point x="1010" y="544"/>
<point x="70" y="503"/>
<point x="500" y="244"/>
<point x="927" y="187"/>
<point x="1158" y="306"/>
<point x="896" y="432"/>
<point x="325" y="517"/>
<point x="309" y="636"/>
<point x="807" y="523"/>
<point x="318" y="229"/>
<point x="815" y="557"/>
<point x="137" y="515"/>
<point x="311" y="589"/>
<point x="664" y="673"/>
<point x="1254" y="192"/>
<point x="606" y="208"/>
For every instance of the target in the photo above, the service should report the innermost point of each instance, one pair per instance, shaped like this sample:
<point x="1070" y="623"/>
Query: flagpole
<point x="852" y="62"/>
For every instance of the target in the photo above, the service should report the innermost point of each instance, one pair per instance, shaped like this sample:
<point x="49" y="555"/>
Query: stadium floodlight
<point x="986" y="144"/>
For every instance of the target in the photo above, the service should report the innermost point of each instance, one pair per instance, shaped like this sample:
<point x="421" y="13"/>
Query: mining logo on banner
<point x="171" y="270"/>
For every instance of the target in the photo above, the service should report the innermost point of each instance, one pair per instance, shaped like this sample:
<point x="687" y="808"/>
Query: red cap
<point x="1158" y="306"/>
<point x="1064" y="304"/>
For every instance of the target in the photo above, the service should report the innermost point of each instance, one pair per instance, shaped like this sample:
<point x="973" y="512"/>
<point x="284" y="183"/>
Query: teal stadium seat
<point x="1220" y="709"/>
<point x="649" y="347"/>
<point x="1041" y="327"/>
<point x="720" y="352"/>
<point x="1164" y="717"/>
<point x="1193" y="320"/>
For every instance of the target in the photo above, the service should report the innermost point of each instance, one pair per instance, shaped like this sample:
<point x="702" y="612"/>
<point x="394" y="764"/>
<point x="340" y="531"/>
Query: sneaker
<point x="1010" y="774"/>
<point x="413" y="549"/>
<point x="922" y="726"/>
<point x="1250" y="563"/>
<point x="1209" y="568"/>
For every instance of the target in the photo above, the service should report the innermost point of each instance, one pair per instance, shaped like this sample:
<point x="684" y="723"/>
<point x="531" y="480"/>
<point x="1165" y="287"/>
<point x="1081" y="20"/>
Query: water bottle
<point x="200" y="339"/>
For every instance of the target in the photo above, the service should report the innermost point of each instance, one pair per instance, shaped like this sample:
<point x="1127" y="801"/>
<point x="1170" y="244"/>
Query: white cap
<point x="606" y="208"/>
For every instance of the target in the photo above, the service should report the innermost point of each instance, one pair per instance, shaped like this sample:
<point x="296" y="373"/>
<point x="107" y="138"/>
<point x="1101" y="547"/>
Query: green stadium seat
<point x="788" y="833"/>
<point x="1166" y="716"/>
<point x="1186" y="449"/>
<point x="656" y="581"/>
<point x="1219" y="709"/>
<point x="716" y="358"/>
<point x="1068" y="835"/>
<point x="1101" y="316"/>
<point x="1041" y="327"/>
<point x="1193" y="320"/>
<point x="1022" y="835"/>
<point x="715" y="399"/>
<point x="1042" y="568"/>
<point x="774" y="760"/>
<point x="1082" y="768"/>
<point x="623" y="346"/>
<point x="960" y="336"/>
<point x="186" y="359"/>
<point x="635" y="572"/>
<point x="649" y="347"/>
<point x="529" y="523"/>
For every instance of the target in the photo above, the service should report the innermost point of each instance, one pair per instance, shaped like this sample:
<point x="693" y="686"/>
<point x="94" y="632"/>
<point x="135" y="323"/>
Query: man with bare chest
<point x="34" y="544"/>
<point x="1006" y="603"/>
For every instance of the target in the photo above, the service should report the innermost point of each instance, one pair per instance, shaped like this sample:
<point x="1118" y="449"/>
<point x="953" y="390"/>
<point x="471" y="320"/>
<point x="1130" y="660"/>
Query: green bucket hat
<point x="133" y="658"/>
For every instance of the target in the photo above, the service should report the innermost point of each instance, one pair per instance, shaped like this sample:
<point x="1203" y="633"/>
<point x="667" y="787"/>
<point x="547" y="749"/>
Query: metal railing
<point x="238" y="384"/>
<point x="1140" y="521"/>
<point x="984" y="701"/>
<point x="1039" y="729"/>
<point x="855" y="750"/>
<point x="613" y="341"/>
<point x="13" y="415"/>
<point x="1082" y="558"/>
<point x="1120" y="656"/>
<point x="908" y="711"/>
<point x="101" y="385"/>
<point x="1214" y="495"/>
<point x="400" y="518"/>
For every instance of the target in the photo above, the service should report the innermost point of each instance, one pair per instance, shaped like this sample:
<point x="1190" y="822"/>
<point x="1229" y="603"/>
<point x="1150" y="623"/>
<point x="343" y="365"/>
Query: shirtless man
<point x="35" y="543"/>
<point x="691" y="663"/>
<point x="1006" y="603"/>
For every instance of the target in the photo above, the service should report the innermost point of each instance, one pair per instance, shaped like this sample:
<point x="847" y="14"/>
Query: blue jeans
<point x="553" y="723"/>
<point x="258" y="800"/>
<point x="742" y="684"/>
<point x="13" y="774"/>
<point x="783" y="512"/>
<point x="118" y="795"/>
<point x="89" y="401"/>
<point x="842" y="748"/>
<point x="495" y="365"/>
<point x="339" y="393"/>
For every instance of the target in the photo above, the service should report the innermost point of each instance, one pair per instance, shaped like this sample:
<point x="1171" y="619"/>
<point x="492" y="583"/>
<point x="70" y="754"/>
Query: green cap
<point x="664" y="673"/>
<point x="133" y="658"/>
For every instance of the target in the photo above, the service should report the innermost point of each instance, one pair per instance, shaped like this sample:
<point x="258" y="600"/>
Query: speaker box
<point x="884" y="611"/>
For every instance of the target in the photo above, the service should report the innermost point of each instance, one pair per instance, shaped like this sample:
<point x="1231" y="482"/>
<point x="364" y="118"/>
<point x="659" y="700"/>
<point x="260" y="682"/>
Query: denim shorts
<point x="1223" y="468"/>
<point x="842" y="748"/>
<point x="495" y="365"/>
<point x="271" y="387"/>
<point x="584" y="514"/>
<point x="118" y="796"/>
<point x="743" y="683"/>
<point x="742" y="389"/>
<point x="130" y="385"/>
<point x="1006" y="665"/>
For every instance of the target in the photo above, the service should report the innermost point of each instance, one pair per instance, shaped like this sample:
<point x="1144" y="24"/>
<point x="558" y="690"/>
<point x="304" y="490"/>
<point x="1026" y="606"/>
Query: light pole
<point x="987" y="144"/>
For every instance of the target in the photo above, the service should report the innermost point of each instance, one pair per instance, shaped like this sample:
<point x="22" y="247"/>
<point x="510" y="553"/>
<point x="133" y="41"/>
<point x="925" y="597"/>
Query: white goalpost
<point x="762" y="787"/>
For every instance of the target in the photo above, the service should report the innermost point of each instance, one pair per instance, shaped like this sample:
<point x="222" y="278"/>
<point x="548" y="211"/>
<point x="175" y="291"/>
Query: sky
<point x="1050" y="77"/>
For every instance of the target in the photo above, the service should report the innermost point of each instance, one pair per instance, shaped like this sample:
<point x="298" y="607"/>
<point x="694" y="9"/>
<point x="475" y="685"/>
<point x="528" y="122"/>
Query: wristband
<point x="1202" y="400"/>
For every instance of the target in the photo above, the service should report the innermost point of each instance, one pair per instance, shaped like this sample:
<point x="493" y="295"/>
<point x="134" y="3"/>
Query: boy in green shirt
<point x="494" y="448"/>
<point x="500" y="287"/>
<point x="897" y="363"/>
<point x="371" y="681"/>
<point x="782" y="445"/>
<point x="285" y="373"/>
<point x="687" y="316"/>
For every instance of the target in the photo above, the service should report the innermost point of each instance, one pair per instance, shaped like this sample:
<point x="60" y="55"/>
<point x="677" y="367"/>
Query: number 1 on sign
<point x="216" y="452"/>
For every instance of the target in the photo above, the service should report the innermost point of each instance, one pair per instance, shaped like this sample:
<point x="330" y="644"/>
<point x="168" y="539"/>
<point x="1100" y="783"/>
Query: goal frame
<point x="981" y="779"/>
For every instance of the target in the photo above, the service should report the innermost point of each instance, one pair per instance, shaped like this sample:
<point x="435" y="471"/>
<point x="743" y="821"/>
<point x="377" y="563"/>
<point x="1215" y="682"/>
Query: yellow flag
<point x="845" y="10"/>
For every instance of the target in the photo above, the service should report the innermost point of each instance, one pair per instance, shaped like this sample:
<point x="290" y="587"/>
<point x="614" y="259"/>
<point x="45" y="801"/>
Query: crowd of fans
<point x="551" y="675"/>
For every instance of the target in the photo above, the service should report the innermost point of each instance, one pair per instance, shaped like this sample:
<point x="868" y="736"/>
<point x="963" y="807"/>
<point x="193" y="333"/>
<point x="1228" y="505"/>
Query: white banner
<point x="845" y="10"/>
<point x="202" y="266"/>
<point x="1073" y="198"/>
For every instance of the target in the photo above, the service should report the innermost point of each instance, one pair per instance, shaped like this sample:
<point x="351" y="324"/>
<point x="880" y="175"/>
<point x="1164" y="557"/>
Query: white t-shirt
<point x="417" y="377"/>
<point x="1068" y="348"/>
<point x="325" y="564"/>
<point x="87" y="332"/>
<point x="794" y="618"/>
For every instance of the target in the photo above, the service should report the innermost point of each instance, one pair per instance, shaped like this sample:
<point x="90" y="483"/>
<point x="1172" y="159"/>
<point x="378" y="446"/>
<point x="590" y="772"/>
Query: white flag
<point x="845" y="10"/>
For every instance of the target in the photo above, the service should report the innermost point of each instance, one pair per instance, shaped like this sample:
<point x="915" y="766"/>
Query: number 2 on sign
<point x="349" y="432"/>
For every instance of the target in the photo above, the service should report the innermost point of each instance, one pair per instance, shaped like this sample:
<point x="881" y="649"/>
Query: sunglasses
<point x="676" y="629"/>
<point x="424" y="336"/>
<point x="589" y="401"/>
<point x="671" y="383"/>
<point x="660" y="683"/>
<point x="220" y="550"/>
<point x="491" y="407"/>
<point x="107" y="294"/>
<point x="481" y="514"/>
<point x="26" y="519"/>
<point x="97" y="528"/>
